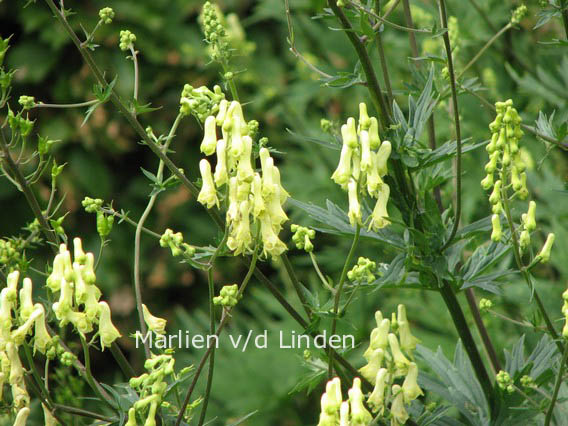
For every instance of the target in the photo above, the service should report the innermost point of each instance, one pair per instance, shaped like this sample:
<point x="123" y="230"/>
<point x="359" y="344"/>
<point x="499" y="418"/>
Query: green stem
<point x="89" y="375"/>
<point x="77" y="105"/>
<point x="550" y="411"/>
<point x="296" y="283"/>
<point x="517" y="254"/>
<point x="136" y="72"/>
<point x="446" y="37"/>
<point x="207" y="393"/>
<point x="319" y="273"/>
<point x="30" y="197"/>
<point x="484" y="48"/>
<point x="339" y="289"/>
<point x="83" y="413"/>
<point x="123" y="109"/>
<point x="564" y="6"/>
<point x="372" y="82"/>
<point x="211" y="348"/>
<point x="122" y="361"/>
<point x="138" y="235"/>
<point x="488" y="345"/>
<point x="384" y="21"/>
<point x="469" y="343"/>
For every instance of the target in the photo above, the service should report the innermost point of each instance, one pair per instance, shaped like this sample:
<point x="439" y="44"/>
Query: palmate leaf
<point x="456" y="383"/>
<point x="537" y="364"/>
<point x="336" y="222"/>
<point x="445" y="152"/>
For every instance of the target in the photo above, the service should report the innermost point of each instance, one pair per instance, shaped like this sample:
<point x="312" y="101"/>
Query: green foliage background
<point x="104" y="159"/>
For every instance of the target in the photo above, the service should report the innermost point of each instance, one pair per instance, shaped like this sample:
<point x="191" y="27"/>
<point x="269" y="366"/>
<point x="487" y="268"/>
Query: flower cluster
<point x="107" y="15"/>
<point x="389" y="358"/>
<point x="228" y="296"/>
<point x="387" y="362"/>
<point x="518" y="14"/>
<point x="127" y="38"/>
<point x="505" y="382"/>
<point x="351" y="412"/>
<point x="363" y="270"/>
<point x="303" y="237"/>
<point x="27" y="102"/>
<point x="485" y="305"/>
<point x="201" y="102"/>
<point x="79" y="295"/>
<point x="248" y="194"/>
<point x="104" y="221"/>
<point x="20" y="318"/>
<point x="151" y="387"/>
<point x="361" y="168"/>
<point x="504" y="161"/>
<point x="211" y="19"/>
<point x="175" y="243"/>
<point x="11" y="254"/>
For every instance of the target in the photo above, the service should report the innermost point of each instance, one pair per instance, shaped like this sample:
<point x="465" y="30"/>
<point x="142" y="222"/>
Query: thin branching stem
<point x="372" y="83"/>
<point x="319" y="273"/>
<point x="362" y="8"/>
<point x="487" y="344"/>
<point x="136" y="72"/>
<point x="550" y="411"/>
<point x="296" y="283"/>
<point x="62" y="106"/>
<point x="451" y="72"/>
<point x="339" y="289"/>
<point x="484" y="48"/>
<point x="138" y="235"/>
<point x="89" y="375"/>
<point x="210" y="349"/>
<point x="524" y="271"/>
<point x="211" y="287"/>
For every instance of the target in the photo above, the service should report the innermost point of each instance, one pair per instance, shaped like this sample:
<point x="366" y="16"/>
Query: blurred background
<point x="104" y="159"/>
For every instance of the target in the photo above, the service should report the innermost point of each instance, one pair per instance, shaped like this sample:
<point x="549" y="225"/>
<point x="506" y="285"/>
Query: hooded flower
<point x="207" y="196"/>
<point x="108" y="332"/>
<point x="157" y="325"/>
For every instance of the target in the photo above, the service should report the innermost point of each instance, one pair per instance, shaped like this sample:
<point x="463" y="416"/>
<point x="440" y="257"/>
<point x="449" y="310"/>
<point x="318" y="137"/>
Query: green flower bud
<point x="127" y="39"/>
<point x="487" y="182"/>
<point x="106" y="14"/>
<point x="27" y="102"/>
<point x="104" y="224"/>
<point x="495" y="196"/>
<point x="485" y="304"/>
<point x="529" y="220"/>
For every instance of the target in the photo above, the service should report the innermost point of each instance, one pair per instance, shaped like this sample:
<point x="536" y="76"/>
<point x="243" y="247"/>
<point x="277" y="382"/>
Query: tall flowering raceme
<point x="24" y="322"/>
<point x="78" y="303"/>
<point x="21" y="321"/>
<point x="389" y="367"/>
<point x="253" y="199"/>
<point x="506" y="177"/>
<point x="362" y="165"/>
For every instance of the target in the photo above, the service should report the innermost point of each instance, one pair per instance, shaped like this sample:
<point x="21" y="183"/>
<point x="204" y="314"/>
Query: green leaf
<point x="336" y="222"/>
<point x="457" y="383"/>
